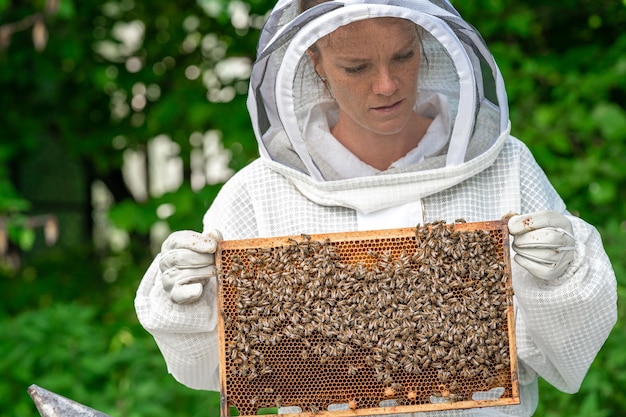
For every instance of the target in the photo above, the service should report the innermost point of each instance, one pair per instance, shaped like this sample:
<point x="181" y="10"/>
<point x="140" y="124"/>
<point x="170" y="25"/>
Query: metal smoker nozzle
<point x="50" y="404"/>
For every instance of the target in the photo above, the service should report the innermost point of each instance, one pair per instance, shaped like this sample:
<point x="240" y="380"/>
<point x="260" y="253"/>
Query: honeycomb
<point x="378" y="322"/>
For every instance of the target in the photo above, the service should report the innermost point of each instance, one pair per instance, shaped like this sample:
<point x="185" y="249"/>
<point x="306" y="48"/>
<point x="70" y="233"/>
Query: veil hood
<point x="285" y="91"/>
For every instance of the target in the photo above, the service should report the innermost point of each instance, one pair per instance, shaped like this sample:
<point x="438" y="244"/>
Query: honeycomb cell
<point x="400" y="320"/>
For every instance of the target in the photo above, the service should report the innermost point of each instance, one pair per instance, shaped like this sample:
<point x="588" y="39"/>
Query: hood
<point x="287" y="100"/>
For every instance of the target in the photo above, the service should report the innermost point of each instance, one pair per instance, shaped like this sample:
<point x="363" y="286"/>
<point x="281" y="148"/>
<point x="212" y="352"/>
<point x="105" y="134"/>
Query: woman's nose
<point x="385" y="83"/>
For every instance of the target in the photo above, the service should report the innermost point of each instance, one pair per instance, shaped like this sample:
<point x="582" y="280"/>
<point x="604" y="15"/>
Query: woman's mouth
<point x="388" y="108"/>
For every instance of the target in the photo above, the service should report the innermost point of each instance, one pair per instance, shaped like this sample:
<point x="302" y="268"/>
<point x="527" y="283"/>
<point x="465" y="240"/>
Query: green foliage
<point x="72" y="350"/>
<point x="67" y="321"/>
<point x="189" y="208"/>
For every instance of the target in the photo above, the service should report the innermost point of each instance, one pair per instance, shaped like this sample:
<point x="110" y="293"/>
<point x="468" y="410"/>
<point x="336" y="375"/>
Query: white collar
<point x="347" y="165"/>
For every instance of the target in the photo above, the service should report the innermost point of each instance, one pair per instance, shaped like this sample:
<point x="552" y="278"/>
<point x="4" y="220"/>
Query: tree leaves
<point x="611" y="119"/>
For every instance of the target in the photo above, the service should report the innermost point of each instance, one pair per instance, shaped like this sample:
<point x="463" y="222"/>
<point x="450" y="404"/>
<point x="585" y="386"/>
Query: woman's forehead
<point x="361" y="33"/>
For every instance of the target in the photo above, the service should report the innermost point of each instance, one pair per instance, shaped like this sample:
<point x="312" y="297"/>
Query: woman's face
<point x="371" y="68"/>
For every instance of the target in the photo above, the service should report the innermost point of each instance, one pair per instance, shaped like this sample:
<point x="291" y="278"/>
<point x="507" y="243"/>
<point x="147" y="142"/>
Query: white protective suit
<point x="467" y="166"/>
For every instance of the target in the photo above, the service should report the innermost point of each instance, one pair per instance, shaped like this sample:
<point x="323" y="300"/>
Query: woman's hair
<point x="304" y="5"/>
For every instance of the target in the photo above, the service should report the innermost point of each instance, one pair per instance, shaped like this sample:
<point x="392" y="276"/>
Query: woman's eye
<point x="406" y="56"/>
<point x="354" y="70"/>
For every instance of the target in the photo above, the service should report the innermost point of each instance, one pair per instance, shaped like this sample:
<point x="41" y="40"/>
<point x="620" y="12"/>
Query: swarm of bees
<point x="416" y="317"/>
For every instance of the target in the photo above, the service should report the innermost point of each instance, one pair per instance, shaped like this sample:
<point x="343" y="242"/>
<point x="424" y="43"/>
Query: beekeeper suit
<point x="466" y="166"/>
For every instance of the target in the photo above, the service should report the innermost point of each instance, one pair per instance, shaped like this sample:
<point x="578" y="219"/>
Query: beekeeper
<point x="373" y="114"/>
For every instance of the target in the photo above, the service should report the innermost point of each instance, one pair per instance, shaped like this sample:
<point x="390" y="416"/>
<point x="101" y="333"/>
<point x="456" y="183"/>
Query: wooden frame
<point x="443" y="401"/>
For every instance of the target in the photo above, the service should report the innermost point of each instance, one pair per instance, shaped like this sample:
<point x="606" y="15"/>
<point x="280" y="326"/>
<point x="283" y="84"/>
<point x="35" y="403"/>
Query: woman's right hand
<point x="187" y="263"/>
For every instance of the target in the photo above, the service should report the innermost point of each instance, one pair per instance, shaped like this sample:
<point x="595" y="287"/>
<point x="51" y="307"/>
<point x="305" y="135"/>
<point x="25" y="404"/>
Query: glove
<point x="187" y="263"/>
<point x="544" y="243"/>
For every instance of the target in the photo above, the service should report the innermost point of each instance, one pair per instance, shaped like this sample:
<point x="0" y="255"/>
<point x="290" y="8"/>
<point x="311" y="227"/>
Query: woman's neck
<point x="380" y="150"/>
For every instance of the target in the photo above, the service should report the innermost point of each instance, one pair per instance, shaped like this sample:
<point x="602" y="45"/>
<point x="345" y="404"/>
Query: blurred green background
<point x="110" y="112"/>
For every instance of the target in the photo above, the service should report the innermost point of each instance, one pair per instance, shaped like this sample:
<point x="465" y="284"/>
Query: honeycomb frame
<point x="305" y="371"/>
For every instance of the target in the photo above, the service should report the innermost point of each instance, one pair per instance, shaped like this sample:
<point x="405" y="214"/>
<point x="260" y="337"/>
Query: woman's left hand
<point x="544" y="243"/>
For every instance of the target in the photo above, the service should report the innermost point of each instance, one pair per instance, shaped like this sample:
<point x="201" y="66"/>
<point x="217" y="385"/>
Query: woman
<point x="372" y="116"/>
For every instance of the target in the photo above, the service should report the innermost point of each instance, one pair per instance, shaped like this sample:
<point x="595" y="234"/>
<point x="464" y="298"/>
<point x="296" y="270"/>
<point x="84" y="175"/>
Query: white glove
<point x="544" y="243"/>
<point x="187" y="263"/>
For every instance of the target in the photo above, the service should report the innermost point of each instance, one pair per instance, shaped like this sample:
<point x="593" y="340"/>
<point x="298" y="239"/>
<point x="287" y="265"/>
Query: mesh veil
<point x="284" y="87"/>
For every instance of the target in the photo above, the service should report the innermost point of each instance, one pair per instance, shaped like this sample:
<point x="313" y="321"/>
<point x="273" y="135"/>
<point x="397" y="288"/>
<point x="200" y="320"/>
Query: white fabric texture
<point x="293" y="189"/>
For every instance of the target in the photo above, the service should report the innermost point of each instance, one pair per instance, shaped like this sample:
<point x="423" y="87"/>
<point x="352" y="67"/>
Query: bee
<point x="443" y="375"/>
<point x="352" y="404"/>
<point x="397" y="386"/>
<point x="352" y="369"/>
